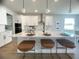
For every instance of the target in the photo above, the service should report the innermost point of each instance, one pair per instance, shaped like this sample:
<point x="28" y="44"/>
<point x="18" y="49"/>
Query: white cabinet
<point x="30" y="20"/>
<point x="2" y="40"/>
<point x="2" y="28"/>
<point x="8" y="39"/>
<point x="9" y="19"/>
<point x="8" y="36"/>
<point x="3" y="18"/>
<point x="5" y="38"/>
<point x="17" y="19"/>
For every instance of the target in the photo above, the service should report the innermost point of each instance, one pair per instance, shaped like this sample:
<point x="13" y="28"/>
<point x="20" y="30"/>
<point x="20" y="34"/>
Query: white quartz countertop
<point x="39" y="34"/>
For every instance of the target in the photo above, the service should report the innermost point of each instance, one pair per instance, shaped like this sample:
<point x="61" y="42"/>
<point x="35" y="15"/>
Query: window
<point x="69" y="23"/>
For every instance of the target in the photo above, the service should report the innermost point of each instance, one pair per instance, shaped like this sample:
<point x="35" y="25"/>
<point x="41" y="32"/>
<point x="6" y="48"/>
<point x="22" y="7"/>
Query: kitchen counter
<point x="54" y="35"/>
<point x="40" y="34"/>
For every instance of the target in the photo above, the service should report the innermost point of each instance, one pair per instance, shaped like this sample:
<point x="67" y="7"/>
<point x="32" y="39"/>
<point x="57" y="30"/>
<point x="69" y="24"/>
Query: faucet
<point x="43" y="27"/>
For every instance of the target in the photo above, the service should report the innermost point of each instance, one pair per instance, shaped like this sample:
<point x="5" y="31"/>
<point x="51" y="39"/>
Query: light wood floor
<point x="9" y="52"/>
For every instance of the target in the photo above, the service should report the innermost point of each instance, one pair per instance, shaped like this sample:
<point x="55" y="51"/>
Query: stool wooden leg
<point x="41" y="54"/>
<point x="34" y="54"/>
<point x="57" y="51"/>
<point x="68" y="54"/>
<point x="24" y="55"/>
<point x="51" y="53"/>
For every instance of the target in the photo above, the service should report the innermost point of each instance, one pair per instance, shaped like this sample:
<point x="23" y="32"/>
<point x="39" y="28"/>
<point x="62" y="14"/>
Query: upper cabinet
<point x="30" y="20"/>
<point x="9" y="19"/>
<point x="3" y="17"/>
<point x="9" y="22"/>
<point x="17" y="19"/>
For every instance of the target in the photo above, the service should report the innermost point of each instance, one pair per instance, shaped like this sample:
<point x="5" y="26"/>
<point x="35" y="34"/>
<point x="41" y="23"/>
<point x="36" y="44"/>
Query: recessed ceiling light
<point x="48" y="10"/>
<point x="23" y="10"/>
<point x="12" y="0"/>
<point x="34" y="0"/>
<point x="36" y="11"/>
<point x="56" y="0"/>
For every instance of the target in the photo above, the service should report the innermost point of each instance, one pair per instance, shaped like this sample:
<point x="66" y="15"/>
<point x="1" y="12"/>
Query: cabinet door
<point x="30" y="20"/>
<point x="3" y="18"/>
<point x="9" y="19"/>
<point x="17" y="19"/>
<point x="2" y="41"/>
<point x="8" y="39"/>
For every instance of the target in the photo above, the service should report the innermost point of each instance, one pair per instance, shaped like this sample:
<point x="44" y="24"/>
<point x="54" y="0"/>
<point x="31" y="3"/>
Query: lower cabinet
<point x="2" y="41"/>
<point x="8" y="39"/>
<point x="5" y="38"/>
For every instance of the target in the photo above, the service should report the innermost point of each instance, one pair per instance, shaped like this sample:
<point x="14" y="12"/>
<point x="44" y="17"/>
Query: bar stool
<point x="47" y="44"/>
<point x="25" y="46"/>
<point x="67" y="44"/>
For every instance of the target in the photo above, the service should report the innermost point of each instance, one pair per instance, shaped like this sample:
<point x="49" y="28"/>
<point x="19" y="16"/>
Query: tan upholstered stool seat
<point x="26" y="45"/>
<point x="66" y="43"/>
<point x="47" y="43"/>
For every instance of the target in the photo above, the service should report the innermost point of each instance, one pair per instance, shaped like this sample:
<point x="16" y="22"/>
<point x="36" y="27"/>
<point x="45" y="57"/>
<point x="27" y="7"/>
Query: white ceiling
<point x="62" y="6"/>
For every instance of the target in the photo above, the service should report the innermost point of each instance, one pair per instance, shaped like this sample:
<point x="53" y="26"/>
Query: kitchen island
<point x="39" y="35"/>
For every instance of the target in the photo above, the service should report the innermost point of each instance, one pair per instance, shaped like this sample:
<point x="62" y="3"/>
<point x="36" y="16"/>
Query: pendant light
<point x="35" y="10"/>
<point x="56" y="0"/>
<point x="47" y="7"/>
<point x="70" y="6"/>
<point x="12" y="0"/>
<point x="34" y="0"/>
<point x="23" y="10"/>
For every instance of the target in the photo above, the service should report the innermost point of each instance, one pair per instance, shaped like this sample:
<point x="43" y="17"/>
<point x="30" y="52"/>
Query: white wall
<point x="3" y="15"/>
<point x="58" y="21"/>
<point x="3" y="18"/>
<point x="8" y="34"/>
<point x="15" y="18"/>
